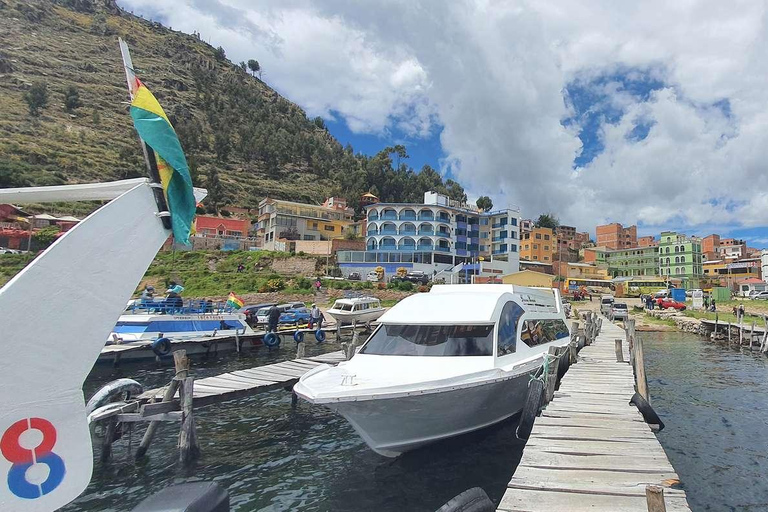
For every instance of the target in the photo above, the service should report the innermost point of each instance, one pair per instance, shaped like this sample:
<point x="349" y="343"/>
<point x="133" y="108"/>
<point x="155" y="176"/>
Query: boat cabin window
<point x="342" y="306"/>
<point x="510" y="317"/>
<point x="537" y="332"/>
<point x="431" y="340"/>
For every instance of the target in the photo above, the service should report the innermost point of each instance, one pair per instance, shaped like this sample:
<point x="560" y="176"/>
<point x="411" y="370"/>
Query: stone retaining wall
<point x="683" y="323"/>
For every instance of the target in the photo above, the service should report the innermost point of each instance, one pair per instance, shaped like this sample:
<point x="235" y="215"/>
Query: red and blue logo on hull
<point x="22" y="459"/>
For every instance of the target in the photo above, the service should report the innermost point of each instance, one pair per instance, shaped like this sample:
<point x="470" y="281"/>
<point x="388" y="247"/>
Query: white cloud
<point x="493" y="74"/>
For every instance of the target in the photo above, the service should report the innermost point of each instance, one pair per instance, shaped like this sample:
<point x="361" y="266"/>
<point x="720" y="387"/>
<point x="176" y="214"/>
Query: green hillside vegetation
<point x="65" y="114"/>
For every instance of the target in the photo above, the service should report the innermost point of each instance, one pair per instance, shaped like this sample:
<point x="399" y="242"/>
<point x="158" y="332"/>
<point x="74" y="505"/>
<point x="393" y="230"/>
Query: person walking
<point x="318" y="285"/>
<point x="273" y="317"/>
<point x="316" y="317"/>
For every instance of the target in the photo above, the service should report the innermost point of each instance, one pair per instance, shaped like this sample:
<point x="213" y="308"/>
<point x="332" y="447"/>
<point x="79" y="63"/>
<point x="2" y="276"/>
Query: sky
<point x="651" y="113"/>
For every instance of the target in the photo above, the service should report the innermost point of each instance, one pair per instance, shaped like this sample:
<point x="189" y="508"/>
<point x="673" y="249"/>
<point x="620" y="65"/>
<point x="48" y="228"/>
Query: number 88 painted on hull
<point x="22" y="459"/>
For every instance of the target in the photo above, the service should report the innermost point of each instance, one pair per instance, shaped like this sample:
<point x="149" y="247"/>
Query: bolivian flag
<point x="155" y="129"/>
<point x="234" y="301"/>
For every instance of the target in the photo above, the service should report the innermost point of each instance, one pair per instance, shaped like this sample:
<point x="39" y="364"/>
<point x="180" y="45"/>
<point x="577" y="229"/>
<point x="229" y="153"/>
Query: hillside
<point x="235" y="129"/>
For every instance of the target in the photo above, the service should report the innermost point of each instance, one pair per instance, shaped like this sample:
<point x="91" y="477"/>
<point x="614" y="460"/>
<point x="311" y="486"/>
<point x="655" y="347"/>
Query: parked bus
<point x="593" y="286"/>
<point x="638" y="287"/>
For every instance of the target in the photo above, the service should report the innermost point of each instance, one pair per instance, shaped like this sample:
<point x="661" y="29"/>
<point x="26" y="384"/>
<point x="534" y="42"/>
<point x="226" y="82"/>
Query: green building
<point x="638" y="261"/>
<point x="680" y="258"/>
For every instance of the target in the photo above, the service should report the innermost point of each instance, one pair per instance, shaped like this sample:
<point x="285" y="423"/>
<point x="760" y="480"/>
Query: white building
<point x="437" y="236"/>
<point x="764" y="264"/>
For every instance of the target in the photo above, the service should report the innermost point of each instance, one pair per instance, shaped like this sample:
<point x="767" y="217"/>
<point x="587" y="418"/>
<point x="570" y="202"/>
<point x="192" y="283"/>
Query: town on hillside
<point x="447" y="241"/>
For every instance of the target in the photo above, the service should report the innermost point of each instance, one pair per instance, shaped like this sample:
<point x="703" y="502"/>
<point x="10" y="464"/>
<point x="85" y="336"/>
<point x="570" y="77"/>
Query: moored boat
<point x="441" y="364"/>
<point x="356" y="309"/>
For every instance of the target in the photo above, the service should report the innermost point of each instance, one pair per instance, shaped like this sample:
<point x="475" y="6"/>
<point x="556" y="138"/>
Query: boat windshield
<point x="342" y="306"/>
<point x="431" y="340"/>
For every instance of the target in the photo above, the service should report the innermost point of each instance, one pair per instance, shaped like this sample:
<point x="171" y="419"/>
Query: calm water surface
<point x="273" y="457"/>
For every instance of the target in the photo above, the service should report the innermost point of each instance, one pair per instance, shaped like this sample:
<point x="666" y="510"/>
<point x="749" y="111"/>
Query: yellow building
<point x="286" y="220"/>
<point x="583" y="271"/>
<point x="529" y="278"/>
<point x="540" y="244"/>
<point x="712" y="268"/>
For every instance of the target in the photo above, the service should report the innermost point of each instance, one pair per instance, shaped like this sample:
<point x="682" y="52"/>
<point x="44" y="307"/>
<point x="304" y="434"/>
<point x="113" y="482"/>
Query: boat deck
<point x="240" y="383"/>
<point x="590" y="449"/>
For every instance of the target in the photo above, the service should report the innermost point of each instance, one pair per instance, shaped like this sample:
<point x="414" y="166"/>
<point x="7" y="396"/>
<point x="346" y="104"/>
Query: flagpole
<point x="149" y="155"/>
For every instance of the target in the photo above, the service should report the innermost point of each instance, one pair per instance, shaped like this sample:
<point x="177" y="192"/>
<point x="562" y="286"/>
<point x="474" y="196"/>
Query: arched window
<point x="667" y="261"/>
<point x="682" y="259"/>
<point x="677" y="249"/>
<point x="667" y="250"/>
<point x="510" y="317"/>
<point x="677" y="259"/>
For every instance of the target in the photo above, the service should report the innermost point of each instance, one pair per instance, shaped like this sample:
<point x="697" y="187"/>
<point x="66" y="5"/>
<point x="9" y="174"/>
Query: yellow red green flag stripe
<point x="156" y="130"/>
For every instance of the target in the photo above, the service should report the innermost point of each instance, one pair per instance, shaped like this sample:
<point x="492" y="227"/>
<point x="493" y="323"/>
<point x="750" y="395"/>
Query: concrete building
<point x="638" y="261"/>
<point x="732" y="248"/>
<point x="709" y="246"/>
<point x="647" y="241"/>
<point x="526" y="225"/>
<point x="582" y="271"/>
<point x="438" y="236"/>
<point x="539" y="245"/>
<point x="680" y="258"/>
<point x="286" y="221"/>
<point x="616" y="236"/>
<point x="764" y="264"/>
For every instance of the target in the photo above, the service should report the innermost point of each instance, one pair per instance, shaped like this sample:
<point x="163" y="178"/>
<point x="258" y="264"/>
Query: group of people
<point x="316" y="318"/>
<point x="172" y="298"/>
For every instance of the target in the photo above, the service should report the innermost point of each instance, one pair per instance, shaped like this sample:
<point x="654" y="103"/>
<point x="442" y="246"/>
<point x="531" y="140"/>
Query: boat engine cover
<point x="189" y="497"/>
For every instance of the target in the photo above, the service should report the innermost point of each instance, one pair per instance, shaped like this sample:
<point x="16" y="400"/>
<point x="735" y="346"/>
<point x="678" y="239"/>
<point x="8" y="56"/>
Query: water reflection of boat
<point x="442" y="363"/>
<point x="356" y="309"/>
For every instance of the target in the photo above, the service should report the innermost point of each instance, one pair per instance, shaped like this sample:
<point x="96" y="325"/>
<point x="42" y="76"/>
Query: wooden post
<point x="729" y="333"/>
<point x="619" y="352"/>
<point x="109" y="437"/>
<point x="574" y="344"/>
<point x="301" y="350"/>
<point x="741" y="329"/>
<point x="338" y="331"/>
<point x="237" y="340"/>
<point x="551" y="374"/>
<point x="642" y="381"/>
<point x="188" y="447"/>
<point x="752" y="335"/>
<point x="654" y="497"/>
<point x="764" y="344"/>
<point x="629" y="327"/>
<point x="181" y="364"/>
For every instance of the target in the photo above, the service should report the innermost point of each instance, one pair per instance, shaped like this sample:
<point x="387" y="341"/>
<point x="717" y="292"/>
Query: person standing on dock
<point x="273" y="317"/>
<point x="316" y="317"/>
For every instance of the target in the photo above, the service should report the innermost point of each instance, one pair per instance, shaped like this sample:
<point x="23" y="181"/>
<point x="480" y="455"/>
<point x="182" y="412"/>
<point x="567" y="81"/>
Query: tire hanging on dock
<point x="109" y="391"/>
<point x="161" y="347"/>
<point x="649" y="415"/>
<point x="320" y="336"/>
<point x="298" y="336"/>
<point x="471" y="500"/>
<point x="531" y="408"/>
<point x="271" y="340"/>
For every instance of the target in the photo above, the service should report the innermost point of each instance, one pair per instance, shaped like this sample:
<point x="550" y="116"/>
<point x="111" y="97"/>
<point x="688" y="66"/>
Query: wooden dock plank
<point x="590" y="449"/>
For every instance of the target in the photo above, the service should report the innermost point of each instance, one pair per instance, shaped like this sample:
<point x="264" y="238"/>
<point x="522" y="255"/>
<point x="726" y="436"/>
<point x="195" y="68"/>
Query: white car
<point x="760" y="295"/>
<point x="372" y="277"/>
<point x="619" y="311"/>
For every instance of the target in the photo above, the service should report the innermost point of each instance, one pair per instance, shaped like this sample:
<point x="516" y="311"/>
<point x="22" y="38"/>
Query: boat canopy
<point x="454" y="309"/>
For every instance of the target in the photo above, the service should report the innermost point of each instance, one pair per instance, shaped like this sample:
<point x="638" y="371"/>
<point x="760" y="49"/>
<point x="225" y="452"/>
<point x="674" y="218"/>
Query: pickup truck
<point x="414" y="276"/>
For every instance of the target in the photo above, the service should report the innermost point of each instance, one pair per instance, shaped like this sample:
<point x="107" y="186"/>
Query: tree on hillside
<point x="219" y="53"/>
<point x="37" y="97"/>
<point x="547" y="220"/>
<point x="455" y="191"/>
<point x="253" y="65"/>
<point x="215" y="190"/>
<point x="45" y="237"/>
<point x="484" y="203"/>
<point x="72" y="99"/>
<point x="221" y="145"/>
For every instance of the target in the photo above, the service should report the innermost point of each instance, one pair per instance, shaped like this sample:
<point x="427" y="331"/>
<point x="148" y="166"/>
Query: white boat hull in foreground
<point x="393" y="426"/>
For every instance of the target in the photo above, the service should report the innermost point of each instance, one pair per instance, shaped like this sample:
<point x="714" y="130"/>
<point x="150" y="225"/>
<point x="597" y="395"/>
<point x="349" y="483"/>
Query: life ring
<point x="320" y="335"/>
<point x="161" y="347"/>
<point x="111" y="390"/>
<point x="271" y="340"/>
<point x="298" y="336"/>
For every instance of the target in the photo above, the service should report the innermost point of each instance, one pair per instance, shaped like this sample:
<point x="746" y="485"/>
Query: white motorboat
<point x="441" y="364"/>
<point x="356" y="309"/>
<point x="185" y="324"/>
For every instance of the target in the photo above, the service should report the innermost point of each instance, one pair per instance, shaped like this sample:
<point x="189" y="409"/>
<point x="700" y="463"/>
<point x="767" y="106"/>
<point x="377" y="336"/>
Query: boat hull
<point x="392" y="426"/>
<point x="347" y="317"/>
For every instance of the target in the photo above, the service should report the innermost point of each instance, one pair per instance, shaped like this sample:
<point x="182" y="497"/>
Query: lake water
<point x="273" y="457"/>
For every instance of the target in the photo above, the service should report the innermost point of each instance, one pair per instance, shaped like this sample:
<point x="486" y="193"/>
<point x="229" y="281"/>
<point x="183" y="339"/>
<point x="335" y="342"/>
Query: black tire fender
<point x="471" y="500"/>
<point x="530" y="409"/>
<point x="649" y="415"/>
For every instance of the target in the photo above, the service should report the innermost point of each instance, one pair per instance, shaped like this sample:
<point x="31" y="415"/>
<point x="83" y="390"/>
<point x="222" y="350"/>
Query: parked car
<point x="619" y="311"/>
<point x="664" y="303"/>
<point x="5" y="250"/>
<point x="262" y="315"/>
<point x="372" y="277"/>
<point x="354" y="276"/>
<point x="606" y="301"/>
<point x="295" y="316"/>
<point x="414" y="276"/>
<point x="760" y="296"/>
<point x="661" y="294"/>
<point x="251" y="311"/>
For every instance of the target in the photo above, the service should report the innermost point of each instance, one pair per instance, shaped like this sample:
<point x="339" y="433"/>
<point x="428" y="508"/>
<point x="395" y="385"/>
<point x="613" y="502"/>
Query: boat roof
<point x="356" y="300"/>
<point x="454" y="308"/>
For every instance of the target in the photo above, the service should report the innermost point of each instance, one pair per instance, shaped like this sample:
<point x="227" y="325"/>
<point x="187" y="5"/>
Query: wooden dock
<point x="590" y="449"/>
<point x="240" y="383"/>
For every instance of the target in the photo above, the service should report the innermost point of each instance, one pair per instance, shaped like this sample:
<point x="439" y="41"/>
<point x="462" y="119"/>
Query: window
<point x="431" y="340"/>
<point x="329" y="228"/>
<point x="546" y="258"/>
<point x="535" y="257"/>
<point x="537" y="332"/>
<point x="667" y="251"/>
<point x="510" y="317"/>
<point x="535" y="246"/>
<point x="538" y="236"/>
<point x="677" y="259"/>
<point x="546" y="247"/>
<point x="682" y="259"/>
<point x="546" y="237"/>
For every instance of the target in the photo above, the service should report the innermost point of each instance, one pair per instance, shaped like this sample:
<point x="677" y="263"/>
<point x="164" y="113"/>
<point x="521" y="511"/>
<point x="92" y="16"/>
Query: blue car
<point x="295" y="316"/>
